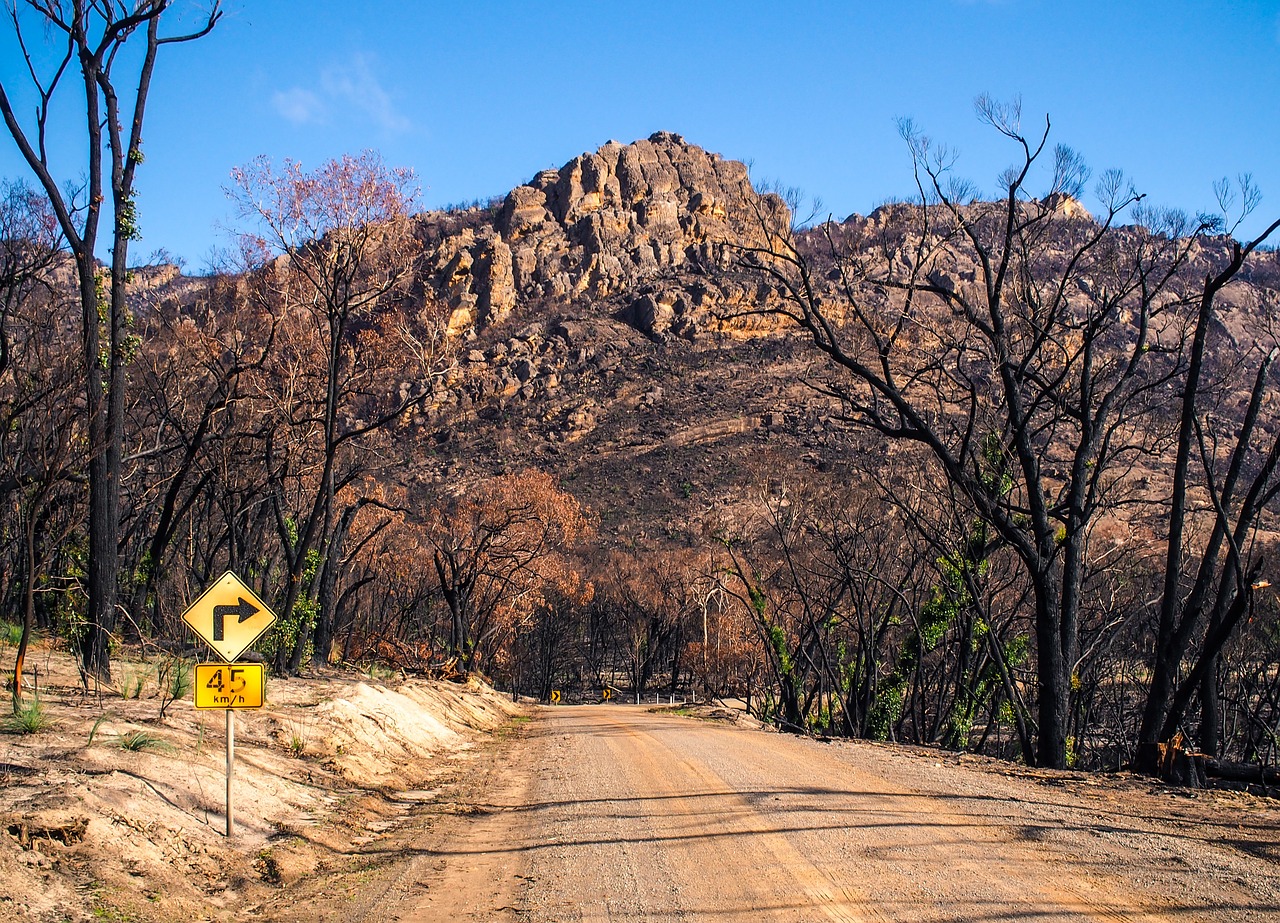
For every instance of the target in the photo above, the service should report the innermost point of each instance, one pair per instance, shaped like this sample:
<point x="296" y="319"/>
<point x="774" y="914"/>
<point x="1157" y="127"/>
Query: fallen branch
<point x="30" y="830"/>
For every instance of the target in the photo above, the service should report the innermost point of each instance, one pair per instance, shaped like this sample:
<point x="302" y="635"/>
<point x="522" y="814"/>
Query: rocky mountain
<point x="647" y="231"/>
<point x="601" y="312"/>
<point x="600" y="303"/>
<point x="604" y="302"/>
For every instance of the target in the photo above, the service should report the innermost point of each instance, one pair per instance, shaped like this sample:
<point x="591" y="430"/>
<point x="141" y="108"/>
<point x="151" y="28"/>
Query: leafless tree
<point x="40" y="432"/>
<point x="30" y="248"/>
<point x="1024" y="348"/>
<point x="190" y="376"/>
<point x="1236" y="464"/>
<point x="89" y="37"/>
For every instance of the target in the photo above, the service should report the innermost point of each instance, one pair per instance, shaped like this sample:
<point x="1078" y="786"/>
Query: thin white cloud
<point x="347" y="89"/>
<point x="356" y="85"/>
<point x="299" y="106"/>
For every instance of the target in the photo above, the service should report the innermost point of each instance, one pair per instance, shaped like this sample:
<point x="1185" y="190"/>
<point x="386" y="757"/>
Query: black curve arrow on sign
<point x="242" y="610"/>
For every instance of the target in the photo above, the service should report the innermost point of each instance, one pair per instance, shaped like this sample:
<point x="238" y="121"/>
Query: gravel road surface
<point x="612" y="813"/>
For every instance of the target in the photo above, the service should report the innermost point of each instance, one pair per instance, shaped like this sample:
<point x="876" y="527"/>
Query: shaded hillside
<point x="649" y="434"/>
<point x="606" y="332"/>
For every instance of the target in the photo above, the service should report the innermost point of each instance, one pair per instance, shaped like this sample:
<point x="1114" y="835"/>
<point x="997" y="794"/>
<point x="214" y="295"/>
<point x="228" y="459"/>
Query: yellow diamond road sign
<point x="229" y="617"/>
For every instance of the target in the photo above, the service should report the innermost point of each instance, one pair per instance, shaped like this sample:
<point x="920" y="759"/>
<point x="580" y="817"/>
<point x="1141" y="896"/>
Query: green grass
<point x="377" y="671"/>
<point x="299" y="737"/>
<point x="10" y="633"/>
<point x="113" y="915"/>
<point x="137" y="741"/>
<point x="29" y="718"/>
<point x="133" y="679"/>
<point x="93" y="732"/>
<point x="512" y="727"/>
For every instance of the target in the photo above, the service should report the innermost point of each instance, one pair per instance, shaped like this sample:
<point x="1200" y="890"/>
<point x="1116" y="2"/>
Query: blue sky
<point x="477" y="97"/>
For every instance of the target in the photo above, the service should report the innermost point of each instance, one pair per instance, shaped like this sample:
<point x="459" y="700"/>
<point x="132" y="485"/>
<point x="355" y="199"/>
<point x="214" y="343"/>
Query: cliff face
<point x="647" y="231"/>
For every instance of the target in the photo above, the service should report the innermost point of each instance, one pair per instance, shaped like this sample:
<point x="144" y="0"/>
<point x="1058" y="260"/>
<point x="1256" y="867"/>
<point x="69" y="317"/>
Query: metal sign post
<point x="231" y="762"/>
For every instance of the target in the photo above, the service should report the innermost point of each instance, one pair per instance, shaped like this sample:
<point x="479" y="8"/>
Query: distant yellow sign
<point x="555" y="696"/>
<point x="229" y="617"/>
<point x="230" y="685"/>
<point x="607" y="694"/>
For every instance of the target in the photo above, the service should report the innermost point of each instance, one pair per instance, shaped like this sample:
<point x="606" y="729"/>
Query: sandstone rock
<point x="650" y="316"/>
<point x="652" y="396"/>
<point x="460" y="319"/>
<point x="603" y="225"/>
<point x="523" y="211"/>
<point x="582" y="419"/>
<point x="493" y="277"/>
<point x="572" y="332"/>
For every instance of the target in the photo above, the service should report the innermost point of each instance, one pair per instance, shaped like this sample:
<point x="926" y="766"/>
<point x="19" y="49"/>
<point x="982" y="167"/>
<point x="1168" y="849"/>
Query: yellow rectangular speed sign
<point x="230" y="685"/>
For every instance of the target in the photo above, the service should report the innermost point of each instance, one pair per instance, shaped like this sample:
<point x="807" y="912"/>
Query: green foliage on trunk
<point x="778" y="641"/>
<point x="280" y="641"/>
<point x="948" y="600"/>
<point x="937" y="615"/>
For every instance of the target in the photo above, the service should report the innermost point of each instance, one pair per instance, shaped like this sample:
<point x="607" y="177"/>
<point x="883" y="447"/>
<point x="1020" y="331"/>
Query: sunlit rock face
<point x="649" y="231"/>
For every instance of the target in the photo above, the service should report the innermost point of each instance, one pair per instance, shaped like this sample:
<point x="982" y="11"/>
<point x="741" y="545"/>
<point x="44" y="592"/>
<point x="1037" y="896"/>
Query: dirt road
<point x="615" y="813"/>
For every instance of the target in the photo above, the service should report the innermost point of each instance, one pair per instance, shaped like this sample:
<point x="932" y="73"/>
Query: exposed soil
<point x="91" y="830"/>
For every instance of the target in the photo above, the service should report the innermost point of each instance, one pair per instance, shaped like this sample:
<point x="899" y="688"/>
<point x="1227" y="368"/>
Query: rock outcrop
<point x="647" y="231"/>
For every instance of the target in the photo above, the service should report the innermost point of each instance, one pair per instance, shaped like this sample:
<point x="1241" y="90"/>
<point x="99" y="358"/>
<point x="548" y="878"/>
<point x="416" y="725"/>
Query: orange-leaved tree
<point x="497" y="548"/>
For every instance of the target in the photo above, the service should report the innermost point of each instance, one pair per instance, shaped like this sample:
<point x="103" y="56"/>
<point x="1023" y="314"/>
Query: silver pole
<point x="231" y="762"/>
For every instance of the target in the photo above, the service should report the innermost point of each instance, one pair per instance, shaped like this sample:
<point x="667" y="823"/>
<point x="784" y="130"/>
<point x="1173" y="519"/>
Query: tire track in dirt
<point x="930" y="860"/>
<point x="608" y="813"/>
<point x="759" y="863"/>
